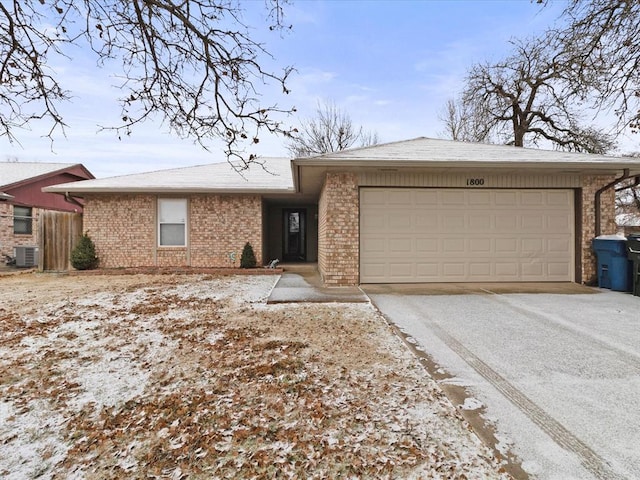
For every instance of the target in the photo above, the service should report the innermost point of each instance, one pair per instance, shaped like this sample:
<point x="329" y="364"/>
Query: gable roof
<point x="273" y="175"/>
<point x="283" y="176"/>
<point x="430" y="152"/>
<point x="12" y="173"/>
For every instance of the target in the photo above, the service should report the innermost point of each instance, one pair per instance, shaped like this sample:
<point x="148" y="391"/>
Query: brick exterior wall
<point x="124" y="227"/>
<point x="220" y="227"/>
<point x="338" y="227"/>
<point x="338" y="230"/>
<point x="322" y="234"/>
<point x="8" y="239"/>
<point x="124" y="230"/>
<point x="590" y="185"/>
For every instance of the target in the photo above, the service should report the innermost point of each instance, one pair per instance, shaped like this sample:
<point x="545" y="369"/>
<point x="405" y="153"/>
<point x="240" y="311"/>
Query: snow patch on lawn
<point x="108" y="382"/>
<point x="188" y="354"/>
<point x="31" y="444"/>
<point x="241" y="289"/>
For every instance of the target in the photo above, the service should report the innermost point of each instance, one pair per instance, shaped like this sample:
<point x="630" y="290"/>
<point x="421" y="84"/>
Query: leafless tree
<point x="330" y="130"/>
<point x="464" y="123"/>
<point x="531" y="97"/>
<point x="605" y="34"/>
<point x="192" y="62"/>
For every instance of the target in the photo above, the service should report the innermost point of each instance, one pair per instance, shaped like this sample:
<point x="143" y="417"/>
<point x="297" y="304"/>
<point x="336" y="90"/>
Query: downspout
<point x="72" y="200"/>
<point x="598" y="220"/>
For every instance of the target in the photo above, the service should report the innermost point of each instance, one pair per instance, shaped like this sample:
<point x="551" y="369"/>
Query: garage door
<point x="459" y="235"/>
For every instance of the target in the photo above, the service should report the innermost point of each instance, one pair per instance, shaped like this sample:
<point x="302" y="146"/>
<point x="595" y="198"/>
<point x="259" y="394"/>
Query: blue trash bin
<point x="615" y="270"/>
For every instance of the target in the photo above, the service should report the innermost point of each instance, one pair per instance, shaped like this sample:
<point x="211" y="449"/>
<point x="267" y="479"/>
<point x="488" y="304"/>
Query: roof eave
<point x="477" y="164"/>
<point x="52" y="173"/>
<point x="167" y="191"/>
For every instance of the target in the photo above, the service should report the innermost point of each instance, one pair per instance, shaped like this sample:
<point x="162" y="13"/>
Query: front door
<point x="295" y="235"/>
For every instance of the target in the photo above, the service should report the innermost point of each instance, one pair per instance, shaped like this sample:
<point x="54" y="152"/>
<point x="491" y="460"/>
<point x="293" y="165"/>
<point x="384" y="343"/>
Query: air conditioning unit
<point x="26" y="256"/>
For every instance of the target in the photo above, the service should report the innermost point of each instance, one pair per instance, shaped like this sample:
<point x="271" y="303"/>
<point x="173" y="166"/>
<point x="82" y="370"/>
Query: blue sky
<point x="391" y="65"/>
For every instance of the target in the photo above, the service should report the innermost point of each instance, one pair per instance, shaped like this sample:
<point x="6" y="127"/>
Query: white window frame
<point x="178" y="220"/>
<point x="26" y="220"/>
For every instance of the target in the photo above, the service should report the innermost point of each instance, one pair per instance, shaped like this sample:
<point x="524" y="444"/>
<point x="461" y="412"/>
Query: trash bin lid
<point x="615" y="236"/>
<point x="610" y="243"/>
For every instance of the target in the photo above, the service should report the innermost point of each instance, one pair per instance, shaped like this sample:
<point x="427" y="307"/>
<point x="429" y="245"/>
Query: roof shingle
<point x="273" y="176"/>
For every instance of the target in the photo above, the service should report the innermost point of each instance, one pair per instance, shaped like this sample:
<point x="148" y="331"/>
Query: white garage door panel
<point x="457" y="235"/>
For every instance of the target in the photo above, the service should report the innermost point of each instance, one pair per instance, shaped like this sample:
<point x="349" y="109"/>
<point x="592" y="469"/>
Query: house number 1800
<point x="475" y="182"/>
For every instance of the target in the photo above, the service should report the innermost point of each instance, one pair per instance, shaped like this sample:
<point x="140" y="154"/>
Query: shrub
<point x="83" y="256"/>
<point x="248" y="258"/>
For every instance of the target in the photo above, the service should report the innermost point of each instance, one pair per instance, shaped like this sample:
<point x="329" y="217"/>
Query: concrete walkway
<point x="302" y="283"/>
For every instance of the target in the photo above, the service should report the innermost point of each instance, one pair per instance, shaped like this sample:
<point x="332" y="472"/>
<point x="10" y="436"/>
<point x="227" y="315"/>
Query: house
<point x="627" y="211"/>
<point x="421" y="210"/>
<point x="628" y="223"/>
<point x="22" y="199"/>
<point x="195" y="216"/>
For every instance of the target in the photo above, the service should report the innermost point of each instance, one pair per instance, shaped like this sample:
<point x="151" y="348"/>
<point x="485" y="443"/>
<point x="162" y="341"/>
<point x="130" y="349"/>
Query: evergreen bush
<point x="248" y="258"/>
<point x="83" y="256"/>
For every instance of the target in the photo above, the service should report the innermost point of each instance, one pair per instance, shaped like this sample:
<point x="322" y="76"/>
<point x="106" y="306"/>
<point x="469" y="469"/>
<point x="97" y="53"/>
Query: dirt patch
<point x="194" y="376"/>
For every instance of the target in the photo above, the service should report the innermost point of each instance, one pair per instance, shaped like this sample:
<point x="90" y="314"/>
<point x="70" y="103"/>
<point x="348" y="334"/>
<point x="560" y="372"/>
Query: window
<point x="172" y="222"/>
<point x="22" y="220"/>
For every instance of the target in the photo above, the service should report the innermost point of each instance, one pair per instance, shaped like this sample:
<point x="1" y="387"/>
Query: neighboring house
<point x="627" y="211"/>
<point x="421" y="210"/>
<point x="628" y="223"/>
<point x="22" y="199"/>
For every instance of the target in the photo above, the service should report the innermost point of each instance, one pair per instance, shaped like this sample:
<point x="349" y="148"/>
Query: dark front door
<point x="295" y="235"/>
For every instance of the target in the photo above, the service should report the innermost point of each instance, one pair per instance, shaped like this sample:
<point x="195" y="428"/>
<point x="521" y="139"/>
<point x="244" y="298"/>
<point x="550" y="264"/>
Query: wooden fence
<point x="59" y="233"/>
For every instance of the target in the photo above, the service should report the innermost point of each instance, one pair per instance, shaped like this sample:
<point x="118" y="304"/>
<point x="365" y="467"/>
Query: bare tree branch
<point x="331" y="130"/>
<point x="605" y="33"/>
<point x="530" y="97"/>
<point x="464" y="124"/>
<point x="192" y="62"/>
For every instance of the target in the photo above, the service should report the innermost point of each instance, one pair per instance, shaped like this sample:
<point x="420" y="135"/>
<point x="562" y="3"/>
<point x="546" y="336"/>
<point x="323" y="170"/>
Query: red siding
<point x="29" y="193"/>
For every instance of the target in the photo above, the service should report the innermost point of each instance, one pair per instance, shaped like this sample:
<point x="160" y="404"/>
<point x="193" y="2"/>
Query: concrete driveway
<point x="557" y="375"/>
